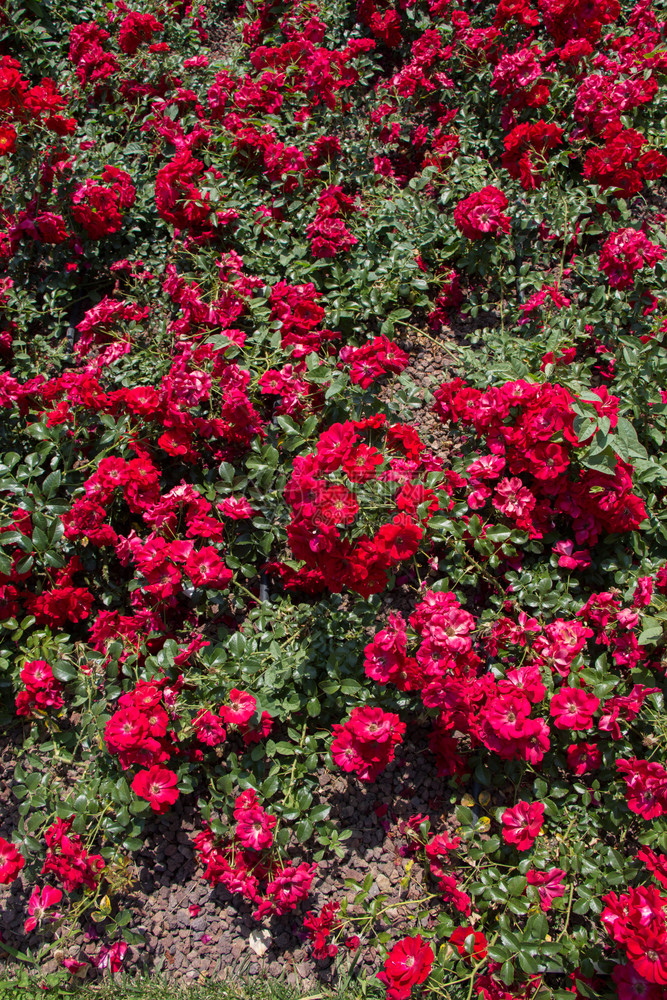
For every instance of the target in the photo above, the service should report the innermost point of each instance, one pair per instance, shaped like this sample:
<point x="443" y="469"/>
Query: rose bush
<point x="215" y="267"/>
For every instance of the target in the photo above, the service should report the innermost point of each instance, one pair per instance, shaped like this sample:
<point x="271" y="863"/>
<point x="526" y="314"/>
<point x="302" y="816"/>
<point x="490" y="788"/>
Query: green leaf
<point x="304" y="831"/>
<point x="132" y="937"/>
<point x="304" y="799"/>
<point x="16" y="538"/>
<point x="517" y="885"/>
<point x="270" y="786"/>
<point x="507" y="973"/>
<point x="464" y="816"/>
<point x="64" y="671"/>
<point x="319" y="813"/>
<point x="237" y="644"/>
<point x="527" y="962"/>
<point x="51" y="483"/>
<point x="626" y="442"/>
<point x="537" y="926"/>
<point x="132" y="844"/>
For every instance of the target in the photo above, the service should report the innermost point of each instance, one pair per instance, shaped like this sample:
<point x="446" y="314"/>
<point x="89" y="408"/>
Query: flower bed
<point x="231" y="557"/>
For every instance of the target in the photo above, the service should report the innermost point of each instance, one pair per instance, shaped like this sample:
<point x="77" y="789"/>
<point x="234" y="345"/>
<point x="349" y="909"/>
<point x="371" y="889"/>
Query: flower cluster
<point x="330" y="488"/>
<point x="42" y="693"/>
<point x="68" y="860"/>
<point x="328" y="232"/>
<point x="646" y="786"/>
<point x="530" y="472"/>
<point x="11" y="862"/>
<point x="245" y="863"/>
<point x="526" y="150"/>
<point x="366" y="743"/>
<point x="137" y="733"/>
<point x="522" y="823"/>
<point x="636" y="921"/>
<point x="481" y="214"/>
<point x="98" y="207"/>
<point x="41" y="901"/>
<point x="511" y="713"/>
<point x="320" y="927"/>
<point x="627" y="251"/>
<point x="622" y="164"/>
<point x="368" y="363"/>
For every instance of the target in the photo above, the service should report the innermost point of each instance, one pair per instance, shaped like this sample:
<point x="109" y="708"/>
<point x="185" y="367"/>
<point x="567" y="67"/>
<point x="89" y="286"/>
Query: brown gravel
<point x="431" y="363"/>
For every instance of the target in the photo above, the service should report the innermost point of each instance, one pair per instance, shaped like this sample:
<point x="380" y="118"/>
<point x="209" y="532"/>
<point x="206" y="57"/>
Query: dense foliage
<point x="217" y="254"/>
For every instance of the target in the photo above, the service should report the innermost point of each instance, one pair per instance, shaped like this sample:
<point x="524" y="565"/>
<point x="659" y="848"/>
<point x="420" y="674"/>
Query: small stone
<point x="383" y="883"/>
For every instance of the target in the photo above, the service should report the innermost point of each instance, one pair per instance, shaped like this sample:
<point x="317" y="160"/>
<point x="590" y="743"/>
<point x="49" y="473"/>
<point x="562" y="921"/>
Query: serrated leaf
<point x="304" y="831"/>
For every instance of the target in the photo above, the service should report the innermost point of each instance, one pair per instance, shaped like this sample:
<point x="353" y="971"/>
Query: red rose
<point x="7" y="139"/>
<point x="481" y="214"/>
<point x="573" y="708"/>
<point x="477" y="950"/>
<point x="158" y="786"/>
<point x="11" y="862"/>
<point x="408" y="964"/>
<point x="521" y="824"/>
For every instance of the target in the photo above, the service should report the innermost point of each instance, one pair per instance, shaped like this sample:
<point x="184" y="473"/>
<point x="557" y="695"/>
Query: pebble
<point x="383" y="883"/>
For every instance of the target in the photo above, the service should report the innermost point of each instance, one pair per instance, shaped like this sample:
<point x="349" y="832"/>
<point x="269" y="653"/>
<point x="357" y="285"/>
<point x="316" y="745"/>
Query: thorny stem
<point x="247" y="592"/>
<point x="564" y="250"/>
<point x="567" y="914"/>
<point x="394" y="906"/>
<point x="290" y="783"/>
<point x="472" y="977"/>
